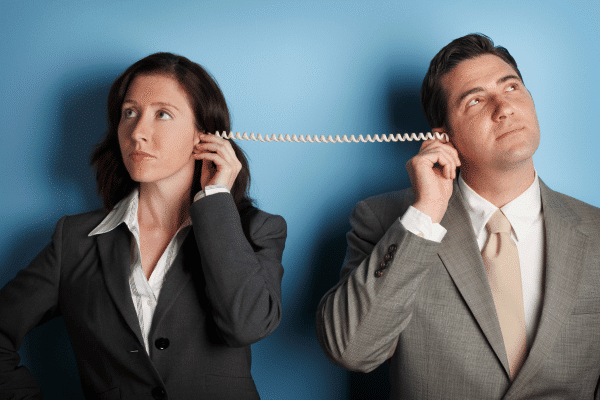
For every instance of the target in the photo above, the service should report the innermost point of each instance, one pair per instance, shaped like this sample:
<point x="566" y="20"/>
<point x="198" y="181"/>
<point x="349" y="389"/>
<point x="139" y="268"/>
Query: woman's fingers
<point x="220" y="153"/>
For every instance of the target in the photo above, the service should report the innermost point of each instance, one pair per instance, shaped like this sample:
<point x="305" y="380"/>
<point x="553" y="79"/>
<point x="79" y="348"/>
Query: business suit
<point x="430" y="311"/>
<point x="221" y="294"/>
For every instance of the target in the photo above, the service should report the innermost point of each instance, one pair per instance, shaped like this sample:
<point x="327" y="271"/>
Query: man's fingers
<point x="445" y="148"/>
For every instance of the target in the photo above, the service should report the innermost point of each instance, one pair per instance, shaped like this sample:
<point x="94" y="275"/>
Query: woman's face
<point x="157" y="131"/>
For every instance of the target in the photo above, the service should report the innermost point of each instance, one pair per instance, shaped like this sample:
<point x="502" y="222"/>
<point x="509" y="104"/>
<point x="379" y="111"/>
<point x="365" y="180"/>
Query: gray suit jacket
<point x="222" y="293"/>
<point x="429" y="310"/>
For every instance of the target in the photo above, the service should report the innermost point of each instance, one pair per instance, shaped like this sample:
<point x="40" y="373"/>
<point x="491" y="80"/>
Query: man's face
<point x="491" y="117"/>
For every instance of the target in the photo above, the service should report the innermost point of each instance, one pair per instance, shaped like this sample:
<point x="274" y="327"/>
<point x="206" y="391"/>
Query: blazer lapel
<point x="115" y="252"/>
<point x="177" y="278"/>
<point x="565" y="261"/>
<point x="461" y="256"/>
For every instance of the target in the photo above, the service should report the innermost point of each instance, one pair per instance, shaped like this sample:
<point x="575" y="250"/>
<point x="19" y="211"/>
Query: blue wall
<point x="289" y="67"/>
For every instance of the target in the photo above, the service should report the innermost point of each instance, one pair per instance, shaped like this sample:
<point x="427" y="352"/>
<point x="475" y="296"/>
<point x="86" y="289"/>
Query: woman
<point x="164" y="290"/>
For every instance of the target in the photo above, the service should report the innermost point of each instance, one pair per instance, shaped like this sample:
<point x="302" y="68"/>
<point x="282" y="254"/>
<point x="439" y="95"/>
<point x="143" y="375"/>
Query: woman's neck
<point x="161" y="207"/>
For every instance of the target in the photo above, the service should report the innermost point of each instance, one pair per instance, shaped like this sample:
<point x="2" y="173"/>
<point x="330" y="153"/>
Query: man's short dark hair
<point x="434" y="99"/>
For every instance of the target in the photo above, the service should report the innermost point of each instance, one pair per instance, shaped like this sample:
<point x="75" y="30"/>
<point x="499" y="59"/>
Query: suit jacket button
<point x="378" y="273"/>
<point x="162" y="343"/>
<point x="383" y="264"/>
<point x="392" y="248"/>
<point x="159" y="393"/>
<point x="388" y="257"/>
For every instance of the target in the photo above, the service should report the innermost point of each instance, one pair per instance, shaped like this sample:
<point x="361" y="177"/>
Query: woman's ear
<point x="197" y="137"/>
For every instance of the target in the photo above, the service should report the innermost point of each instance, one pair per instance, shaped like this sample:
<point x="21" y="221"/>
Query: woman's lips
<point x="140" y="156"/>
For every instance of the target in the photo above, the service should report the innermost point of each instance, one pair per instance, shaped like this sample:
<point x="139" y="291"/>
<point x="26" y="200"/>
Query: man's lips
<point x="510" y="131"/>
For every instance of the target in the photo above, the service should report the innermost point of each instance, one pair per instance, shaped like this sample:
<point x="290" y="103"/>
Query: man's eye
<point x="129" y="113"/>
<point x="473" y="102"/>
<point x="511" y="88"/>
<point x="164" y="115"/>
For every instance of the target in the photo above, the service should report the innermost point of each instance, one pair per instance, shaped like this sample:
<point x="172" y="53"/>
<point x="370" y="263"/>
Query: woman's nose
<point x="141" y="129"/>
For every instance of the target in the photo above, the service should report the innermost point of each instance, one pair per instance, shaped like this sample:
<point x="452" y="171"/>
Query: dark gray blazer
<point x="429" y="310"/>
<point x="222" y="293"/>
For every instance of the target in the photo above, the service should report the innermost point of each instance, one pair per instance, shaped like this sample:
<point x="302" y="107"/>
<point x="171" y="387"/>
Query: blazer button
<point x="392" y="248"/>
<point x="383" y="264"/>
<point x="159" y="393"/>
<point x="388" y="257"/>
<point x="378" y="273"/>
<point x="162" y="343"/>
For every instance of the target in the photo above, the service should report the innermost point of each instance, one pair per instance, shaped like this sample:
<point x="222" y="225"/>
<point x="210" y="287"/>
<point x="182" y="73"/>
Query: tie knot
<point x="498" y="223"/>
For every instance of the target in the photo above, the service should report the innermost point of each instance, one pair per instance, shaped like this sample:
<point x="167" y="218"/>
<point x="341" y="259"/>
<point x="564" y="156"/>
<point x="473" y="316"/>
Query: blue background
<point x="285" y="67"/>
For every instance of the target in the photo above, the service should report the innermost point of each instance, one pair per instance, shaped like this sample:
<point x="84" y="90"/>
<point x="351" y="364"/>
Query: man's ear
<point x="441" y="130"/>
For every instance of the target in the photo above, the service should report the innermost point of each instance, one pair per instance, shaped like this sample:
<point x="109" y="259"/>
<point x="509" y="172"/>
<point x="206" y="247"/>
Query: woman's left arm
<point x="241" y="261"/>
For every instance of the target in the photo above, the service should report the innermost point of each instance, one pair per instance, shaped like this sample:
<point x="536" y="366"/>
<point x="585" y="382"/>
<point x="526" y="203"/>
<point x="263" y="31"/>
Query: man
<point x="478" y="284"/>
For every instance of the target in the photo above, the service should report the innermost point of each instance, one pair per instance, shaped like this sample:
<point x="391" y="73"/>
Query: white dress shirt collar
<point x="521" y="212"/>
<point x="125" y="211"/>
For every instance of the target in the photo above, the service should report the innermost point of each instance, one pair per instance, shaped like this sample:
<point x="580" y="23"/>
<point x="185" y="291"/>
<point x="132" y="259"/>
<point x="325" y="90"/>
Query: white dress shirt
<point x="526" y="217"/>
<point x="145" y="292"/>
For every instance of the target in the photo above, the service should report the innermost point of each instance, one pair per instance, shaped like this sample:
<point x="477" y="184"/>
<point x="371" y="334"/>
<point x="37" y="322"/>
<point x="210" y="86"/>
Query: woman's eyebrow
<point x="163" y="104"/>
<point x="158" y="103"/>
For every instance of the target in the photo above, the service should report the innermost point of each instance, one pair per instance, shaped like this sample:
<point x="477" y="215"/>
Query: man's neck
<point x="499" y="187"/>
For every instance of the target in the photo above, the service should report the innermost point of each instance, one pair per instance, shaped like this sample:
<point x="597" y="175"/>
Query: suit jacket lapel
<point x="565" y="261"/>
<point x="177" y="277"/>
<point x="115" y="252"/>
<point x="461" y="256"/>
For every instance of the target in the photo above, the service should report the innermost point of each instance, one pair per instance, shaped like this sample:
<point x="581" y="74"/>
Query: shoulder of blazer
<point x="585" y="217"/>
<point x="254" y="219"/>
<point x="220" y="208"/>
<point x="387" y="207"/>
<point x="76" y="228"/>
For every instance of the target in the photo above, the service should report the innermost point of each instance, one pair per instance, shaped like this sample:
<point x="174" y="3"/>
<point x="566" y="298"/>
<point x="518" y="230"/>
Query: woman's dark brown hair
<point x="210" y="111"/>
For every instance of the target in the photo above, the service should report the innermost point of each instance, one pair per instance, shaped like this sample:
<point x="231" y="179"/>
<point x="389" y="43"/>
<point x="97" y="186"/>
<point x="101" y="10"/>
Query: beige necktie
<point x="501" y="260"/>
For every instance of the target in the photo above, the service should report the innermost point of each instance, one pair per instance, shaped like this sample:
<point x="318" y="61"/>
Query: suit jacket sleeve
<point x="241" y="262"/>
<point x="27" y="301"/>
<point x="360" y="319"/>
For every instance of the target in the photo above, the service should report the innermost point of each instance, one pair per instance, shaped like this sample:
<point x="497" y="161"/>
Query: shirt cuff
<point x="211" y="189"/>
<point x="420" y="224"/>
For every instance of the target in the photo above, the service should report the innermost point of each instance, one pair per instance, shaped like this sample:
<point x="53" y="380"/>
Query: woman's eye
<point x="129" y="113"/>
<point x="164" y="115"/>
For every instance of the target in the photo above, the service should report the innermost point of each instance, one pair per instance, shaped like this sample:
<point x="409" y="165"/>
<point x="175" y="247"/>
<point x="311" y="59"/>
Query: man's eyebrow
<point x="468" y="92"/>
<point x="507" y="78"/>
<point x="480" y="89"/>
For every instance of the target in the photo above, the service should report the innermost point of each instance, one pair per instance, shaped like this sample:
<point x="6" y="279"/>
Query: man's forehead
<point x="486" y="70"/>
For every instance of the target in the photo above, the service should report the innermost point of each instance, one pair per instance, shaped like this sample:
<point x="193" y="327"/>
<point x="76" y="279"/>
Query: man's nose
<point x="502" y="108"/>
